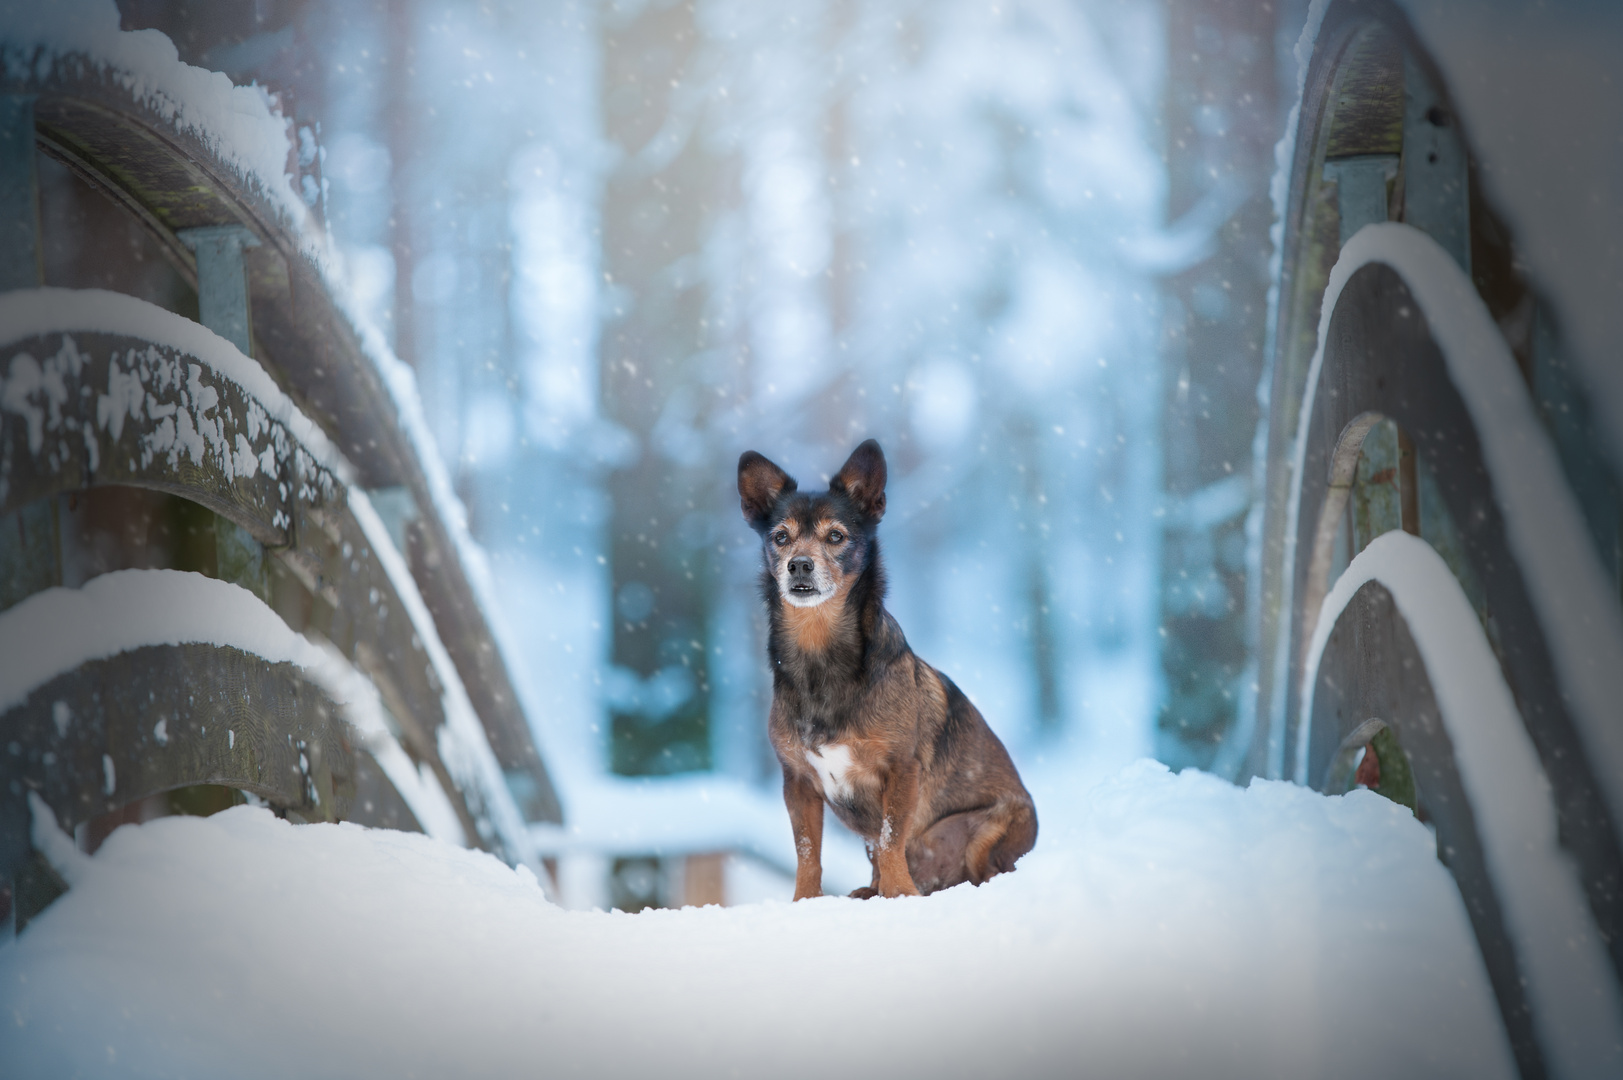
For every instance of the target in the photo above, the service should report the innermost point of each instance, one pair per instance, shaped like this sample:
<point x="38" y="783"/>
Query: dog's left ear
<point x="862" y="477"/>
<point x="760" y="484"/>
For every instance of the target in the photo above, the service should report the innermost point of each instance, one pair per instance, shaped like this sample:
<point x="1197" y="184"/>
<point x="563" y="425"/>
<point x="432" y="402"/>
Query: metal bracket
<point x="1360" y="189"/>
<point x="222" y="280"/>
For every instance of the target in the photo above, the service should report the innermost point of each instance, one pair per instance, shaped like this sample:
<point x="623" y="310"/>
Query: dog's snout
<point x="800" y="567"/>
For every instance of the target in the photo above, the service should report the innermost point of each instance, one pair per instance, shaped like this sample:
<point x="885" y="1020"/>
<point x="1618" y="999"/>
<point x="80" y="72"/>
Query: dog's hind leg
<point x="936" y="856"/>
<point x="1009" y="831"/>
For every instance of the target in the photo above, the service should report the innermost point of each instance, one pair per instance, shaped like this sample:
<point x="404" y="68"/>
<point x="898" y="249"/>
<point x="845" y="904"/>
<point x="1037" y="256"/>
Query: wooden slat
<point x="165" y="716"/>
<point x="1371" y="667"/>
<point x="77" y="445"/>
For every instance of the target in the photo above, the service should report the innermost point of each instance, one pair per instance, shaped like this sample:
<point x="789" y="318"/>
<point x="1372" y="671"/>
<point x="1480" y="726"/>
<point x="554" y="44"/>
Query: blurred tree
<point x="660" y="202"/>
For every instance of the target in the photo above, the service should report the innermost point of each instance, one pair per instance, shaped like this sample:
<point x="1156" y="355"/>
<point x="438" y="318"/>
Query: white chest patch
<point x="833" y="765"/>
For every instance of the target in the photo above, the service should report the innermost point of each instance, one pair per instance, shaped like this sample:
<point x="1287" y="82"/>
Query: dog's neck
<point x="816" y="649"/>
<point x="812" y="630"/>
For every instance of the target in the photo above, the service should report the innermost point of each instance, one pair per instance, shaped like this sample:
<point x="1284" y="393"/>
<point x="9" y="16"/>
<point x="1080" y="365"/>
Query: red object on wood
<point x="1369" y="769"/>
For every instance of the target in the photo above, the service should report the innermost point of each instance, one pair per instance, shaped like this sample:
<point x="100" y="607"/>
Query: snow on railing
<point x="1560" y="953"/>
<point x="461" y="738"/>
<point x="242" y="125"/>
<point x="1568" y="587"/>
<point x="1230" y="760"/>
<point x="58" y="630"/>
<point x="27" y="391"/>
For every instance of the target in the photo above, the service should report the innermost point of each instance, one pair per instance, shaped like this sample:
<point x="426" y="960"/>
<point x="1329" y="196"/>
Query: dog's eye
<point x="781" y="537"/>
<point x="836" y="536"/>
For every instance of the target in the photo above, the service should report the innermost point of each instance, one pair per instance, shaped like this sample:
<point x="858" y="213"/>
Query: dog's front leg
<point x="805" y="806"/>
<point x="900" y="796"/>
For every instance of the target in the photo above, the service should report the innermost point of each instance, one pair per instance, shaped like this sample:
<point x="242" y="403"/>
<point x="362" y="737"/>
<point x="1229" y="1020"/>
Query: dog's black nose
<point x="800" y="566"/>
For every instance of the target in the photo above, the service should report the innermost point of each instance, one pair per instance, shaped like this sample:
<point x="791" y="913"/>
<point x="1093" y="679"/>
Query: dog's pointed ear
<point x="760" y="485"/>
<point x="862" y="477"/>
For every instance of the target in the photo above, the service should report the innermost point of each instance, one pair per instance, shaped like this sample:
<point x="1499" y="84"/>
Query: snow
<point x="1570" y="590"/>
<point x="241" y="125"/>
<point x="1165" y="926"/>
<point x="1575" y="997"/>
<point x="59" y="629"/>
<point x="1279" y="194"/>
<point x="27" y="313"/>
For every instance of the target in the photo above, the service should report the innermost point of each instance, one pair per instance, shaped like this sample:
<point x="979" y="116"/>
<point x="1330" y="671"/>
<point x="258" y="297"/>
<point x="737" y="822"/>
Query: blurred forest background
<point x="1023" y="244"/>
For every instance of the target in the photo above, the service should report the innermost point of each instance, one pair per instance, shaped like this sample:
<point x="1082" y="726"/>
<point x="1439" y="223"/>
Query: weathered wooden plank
<point x="1368" y="97"/>
<point x="1380" y="357"/>
<point x="114" y="409"/>
<point x="165" y="716"/>
<point x="1372" y="669"/>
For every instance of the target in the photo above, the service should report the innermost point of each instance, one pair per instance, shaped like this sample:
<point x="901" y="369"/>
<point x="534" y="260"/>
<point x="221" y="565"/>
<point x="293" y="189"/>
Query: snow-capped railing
<point x="1562" y="959"/>
<point x="181" y="148"/>
<point x="100" y="387"/>
<point x="144" y="620"/>
<point x="1566" y="584"/>
<point x="130" y="394"/>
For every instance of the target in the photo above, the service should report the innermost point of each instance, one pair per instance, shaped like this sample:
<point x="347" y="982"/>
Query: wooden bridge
<point x="1440" y="533"/>
<point x="181" y="390"/>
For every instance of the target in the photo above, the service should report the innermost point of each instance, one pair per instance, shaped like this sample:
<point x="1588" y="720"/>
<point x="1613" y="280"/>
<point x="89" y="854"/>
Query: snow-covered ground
<point x="1166" y="925"/>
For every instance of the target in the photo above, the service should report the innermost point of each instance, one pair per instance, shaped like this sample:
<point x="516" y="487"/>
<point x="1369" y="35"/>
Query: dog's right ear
<point x="760" y="485"/>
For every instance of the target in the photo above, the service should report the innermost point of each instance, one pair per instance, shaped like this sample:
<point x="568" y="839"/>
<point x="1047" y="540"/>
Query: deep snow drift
<point x="1165" y="925"/>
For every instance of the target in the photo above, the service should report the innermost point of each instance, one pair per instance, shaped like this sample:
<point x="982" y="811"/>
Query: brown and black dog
<point x="858" y="720"/>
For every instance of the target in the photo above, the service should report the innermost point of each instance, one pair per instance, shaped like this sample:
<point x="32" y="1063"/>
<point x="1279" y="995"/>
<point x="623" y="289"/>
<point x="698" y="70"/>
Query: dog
<point x="858" y="721"/>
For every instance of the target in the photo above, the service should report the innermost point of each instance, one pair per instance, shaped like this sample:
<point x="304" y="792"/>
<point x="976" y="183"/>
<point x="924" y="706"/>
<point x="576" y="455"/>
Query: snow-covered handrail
<point x="1569" y="589"/>
<point x="154" y="399"/>
<point x="32" y="313"/>
<point x="121" y="99"/>
<point x="1577" y="1005"/>
<point x="240" y="125"/>
<point x="55" y="632"/>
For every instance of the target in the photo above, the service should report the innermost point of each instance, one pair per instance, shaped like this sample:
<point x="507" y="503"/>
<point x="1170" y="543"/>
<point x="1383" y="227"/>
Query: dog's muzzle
<point x="800" y="582"/>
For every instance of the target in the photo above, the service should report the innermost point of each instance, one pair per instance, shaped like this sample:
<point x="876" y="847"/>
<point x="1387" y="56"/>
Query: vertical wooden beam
<point x="704" y="880"/>
<point x="1361" y="189"/>
<point x="21" y="261"/>
<point x="1436" y="194"/>
<point x="222" y="282"/>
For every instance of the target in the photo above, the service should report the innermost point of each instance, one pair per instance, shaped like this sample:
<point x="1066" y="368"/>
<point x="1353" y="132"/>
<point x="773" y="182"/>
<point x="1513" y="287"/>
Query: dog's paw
<point x="864" y="893"/>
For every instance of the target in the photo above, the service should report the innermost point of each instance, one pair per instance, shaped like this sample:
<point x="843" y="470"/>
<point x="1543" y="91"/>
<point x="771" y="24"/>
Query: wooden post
<point x="222" y="283"/>
<point x="21" y="265"/>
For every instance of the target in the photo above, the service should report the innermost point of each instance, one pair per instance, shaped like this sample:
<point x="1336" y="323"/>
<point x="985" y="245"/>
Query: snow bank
<point x="1173" y="926"/>
<point x="57" y="630"/>
<point x="1576" y="1003"/>
<point x="241" y="125"/>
